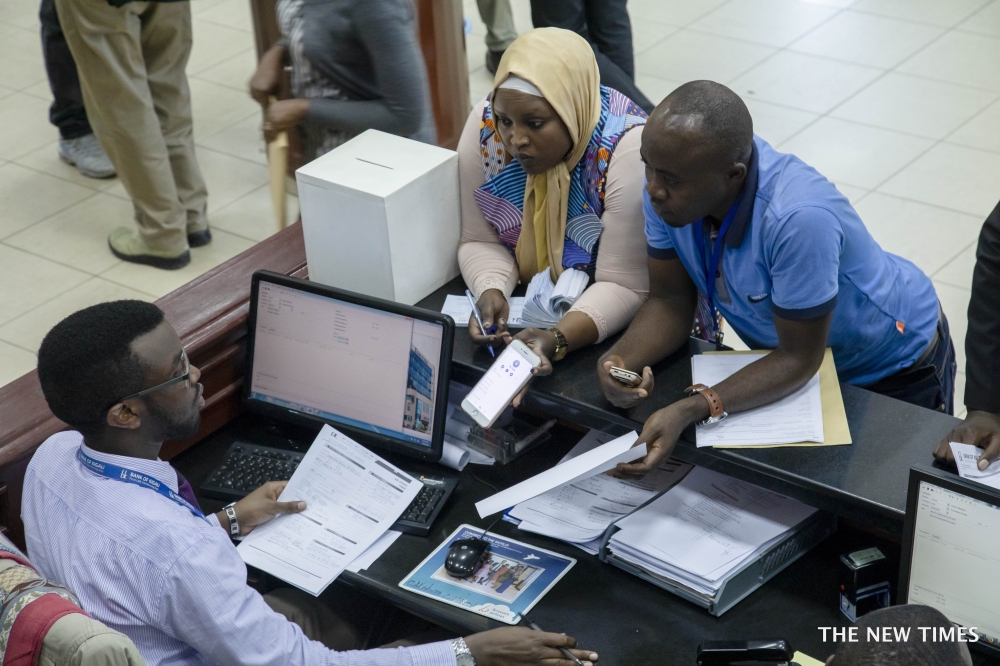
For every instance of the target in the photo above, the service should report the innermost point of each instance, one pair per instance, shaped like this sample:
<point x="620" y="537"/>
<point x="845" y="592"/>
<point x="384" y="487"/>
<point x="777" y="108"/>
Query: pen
<point x="479" y="320"/>
<point x="566" y="653"/>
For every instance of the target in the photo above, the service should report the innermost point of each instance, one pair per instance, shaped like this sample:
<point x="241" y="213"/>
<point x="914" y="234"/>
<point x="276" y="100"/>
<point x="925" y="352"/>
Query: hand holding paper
<point x="967" y="459"/>
<point x="599" y="460"/>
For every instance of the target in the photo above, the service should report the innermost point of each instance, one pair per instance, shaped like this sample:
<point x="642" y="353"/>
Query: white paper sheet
<point x="967" y="459"/>
<point x="545" y="303"/>
<point x="580" y="512"/>
<point x="600" y="459"/>
<point x="352" y="497"/>
<point x="375" y="551"/>
<point x="458" y="308"/>
<point x="707" y="521"/>
<point x="795" y="418"/>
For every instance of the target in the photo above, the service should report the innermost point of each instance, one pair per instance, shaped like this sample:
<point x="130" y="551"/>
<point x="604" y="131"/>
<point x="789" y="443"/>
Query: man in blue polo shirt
<point x="792" y="269"/>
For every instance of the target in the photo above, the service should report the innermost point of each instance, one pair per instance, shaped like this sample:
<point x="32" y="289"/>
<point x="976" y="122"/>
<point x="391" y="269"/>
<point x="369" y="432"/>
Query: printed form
<point x="580" y="512"/>
<point x="795" y="418"/>
<point x="709" y="520"/>
<point x="967" y="461"/>
<point x="352" y="497"/>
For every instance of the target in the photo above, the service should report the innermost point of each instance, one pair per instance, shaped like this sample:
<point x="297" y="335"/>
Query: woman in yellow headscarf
<point x="551" y="179"/>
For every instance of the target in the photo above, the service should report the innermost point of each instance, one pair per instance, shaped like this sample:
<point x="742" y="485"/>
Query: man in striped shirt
<point x="104" y="515"/>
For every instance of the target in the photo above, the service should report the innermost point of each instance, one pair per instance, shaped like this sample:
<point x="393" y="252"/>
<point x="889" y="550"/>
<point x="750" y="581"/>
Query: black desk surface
<point x="621" y="617"/>
<point x="865" y="481"/>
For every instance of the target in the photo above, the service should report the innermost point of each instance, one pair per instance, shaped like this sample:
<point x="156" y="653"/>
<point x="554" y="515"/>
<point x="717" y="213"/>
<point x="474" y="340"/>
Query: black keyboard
<point x="246" y="467"/>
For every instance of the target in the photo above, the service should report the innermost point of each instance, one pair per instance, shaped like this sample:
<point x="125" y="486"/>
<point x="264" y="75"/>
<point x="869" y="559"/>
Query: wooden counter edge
<point x="209" y="313"/>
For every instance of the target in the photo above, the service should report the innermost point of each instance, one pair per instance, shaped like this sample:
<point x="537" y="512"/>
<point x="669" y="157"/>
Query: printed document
<point x="967" y="459"/>
<point x="707" y="521"/>
<point x="795" y="418"/>
<point x="352" y="497"/>
<point x="600" y="459"/>
<point x="580" y="512"/>
<point x="458" y="308"/>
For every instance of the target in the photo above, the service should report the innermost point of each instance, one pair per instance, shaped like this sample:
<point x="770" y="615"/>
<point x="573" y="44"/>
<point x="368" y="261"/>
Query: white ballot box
<point x="381" y="216"/>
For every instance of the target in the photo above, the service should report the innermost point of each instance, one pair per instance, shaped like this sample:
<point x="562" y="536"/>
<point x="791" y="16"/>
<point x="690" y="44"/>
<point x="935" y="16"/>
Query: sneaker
<point x="87" y="155"/>
<point x="127" y="245"/>
<point x="493" y="61"/>
<point x="199" y="238"/>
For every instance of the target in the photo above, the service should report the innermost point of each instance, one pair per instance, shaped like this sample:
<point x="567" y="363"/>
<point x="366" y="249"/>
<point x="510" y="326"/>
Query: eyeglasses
<point x="184" y="377"/>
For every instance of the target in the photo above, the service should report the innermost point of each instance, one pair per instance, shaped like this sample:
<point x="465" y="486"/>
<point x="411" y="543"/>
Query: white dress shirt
<point x="172" y="582"/>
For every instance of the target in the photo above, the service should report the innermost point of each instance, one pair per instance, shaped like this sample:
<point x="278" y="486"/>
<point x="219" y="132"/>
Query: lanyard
<point x="712" y="267"/>
<point x="130" y="476"/>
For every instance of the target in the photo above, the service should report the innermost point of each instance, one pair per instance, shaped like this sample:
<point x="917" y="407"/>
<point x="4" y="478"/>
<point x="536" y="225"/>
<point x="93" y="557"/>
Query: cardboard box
<point x="381" y="216"/>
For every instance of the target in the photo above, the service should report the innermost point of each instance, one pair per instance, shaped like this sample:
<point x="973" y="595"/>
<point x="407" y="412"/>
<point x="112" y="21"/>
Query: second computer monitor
<point x="951" y="552"/>
<point x="372" y="367"/>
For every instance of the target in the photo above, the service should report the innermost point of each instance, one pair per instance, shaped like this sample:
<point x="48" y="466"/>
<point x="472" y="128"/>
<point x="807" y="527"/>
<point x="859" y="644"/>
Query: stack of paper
<point x="458" y="308"/>
<point x="704" y="528"/>
<point x="546" y="303"/>
<point x="579" y="513"/>
<point x="795" y="418"/>
<point x="352" y="497"/>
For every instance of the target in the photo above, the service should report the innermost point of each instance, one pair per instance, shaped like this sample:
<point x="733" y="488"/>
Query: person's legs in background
<point x="77" y="144"/>
<point x="166" y="55"/>
<point x="610" y="36"/>
<point x="500" y="30"/>
<point x="124" y="54"/>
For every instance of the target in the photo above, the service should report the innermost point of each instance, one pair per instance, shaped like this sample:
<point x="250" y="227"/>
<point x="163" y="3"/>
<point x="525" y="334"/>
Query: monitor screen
<point x="348" y="363"/>
<point x="955" y="558"/>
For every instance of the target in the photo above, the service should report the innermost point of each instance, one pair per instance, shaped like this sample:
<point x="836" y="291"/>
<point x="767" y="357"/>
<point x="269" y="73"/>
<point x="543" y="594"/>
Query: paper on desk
<point x="457" y="307"/>
<point x="708" y="520"/>
<point x="795" y="418"/>
<point x="805" y="660"/>
<point x="352" y="497"/>
<point x="967" y="457"/>
<point x="835" y="427"/>
<point x="580" y="512"/>
<point x="375" y="551"/>
<point x="600" y="459"/>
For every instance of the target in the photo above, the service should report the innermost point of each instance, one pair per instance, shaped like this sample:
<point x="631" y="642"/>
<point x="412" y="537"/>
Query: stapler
<point x="762" y="652"/>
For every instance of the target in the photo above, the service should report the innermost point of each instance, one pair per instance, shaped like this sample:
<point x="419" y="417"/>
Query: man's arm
<point x="660" y="327"/>
<point x="982" y="352"/>
<point x="801" y="345"/>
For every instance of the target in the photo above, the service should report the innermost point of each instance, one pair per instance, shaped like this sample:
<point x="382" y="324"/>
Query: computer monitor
<point x="951" y="552"/>
<point x="375" y="369"/>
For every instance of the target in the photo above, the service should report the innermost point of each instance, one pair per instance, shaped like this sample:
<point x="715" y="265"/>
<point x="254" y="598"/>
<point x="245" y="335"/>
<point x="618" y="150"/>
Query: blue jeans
<point x="930" y="382"/>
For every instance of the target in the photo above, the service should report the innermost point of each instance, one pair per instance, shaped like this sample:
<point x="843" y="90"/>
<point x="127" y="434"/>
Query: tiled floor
<point x="897" y="101"/>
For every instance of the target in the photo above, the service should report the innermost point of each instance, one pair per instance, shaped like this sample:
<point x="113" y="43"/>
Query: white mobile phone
<point x="512" y="370"/>
<point x="626" y="377"/>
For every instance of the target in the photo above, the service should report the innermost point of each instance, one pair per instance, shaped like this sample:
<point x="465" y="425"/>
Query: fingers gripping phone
<point x="511" y="371"/>
<point x="626" y="377"/>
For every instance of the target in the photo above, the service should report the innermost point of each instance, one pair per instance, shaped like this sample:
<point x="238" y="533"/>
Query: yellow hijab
<point x="561" y="64"/>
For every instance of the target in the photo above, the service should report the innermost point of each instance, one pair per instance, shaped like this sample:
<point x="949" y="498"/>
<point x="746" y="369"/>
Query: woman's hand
<point x="543" y="343"/>
<point x="494" y="310"/>
<point x="267" y="79"/>
<point x="284" y="114"/>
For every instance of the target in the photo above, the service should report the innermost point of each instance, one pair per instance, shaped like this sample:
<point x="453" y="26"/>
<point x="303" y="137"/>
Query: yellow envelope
<point x="805" y="660"/>
<point x="835" y="429"/>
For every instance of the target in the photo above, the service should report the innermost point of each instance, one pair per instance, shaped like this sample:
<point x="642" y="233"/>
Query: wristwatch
<point x="561" y="345"/>
<point x="715" y="411"/>
<point x="462" y="654"/>
<point x="234" y="525"/>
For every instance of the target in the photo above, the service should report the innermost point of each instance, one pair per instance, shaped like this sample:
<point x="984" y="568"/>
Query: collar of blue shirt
<point x="158" y="469"/>
<point x="744" y="212"/>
